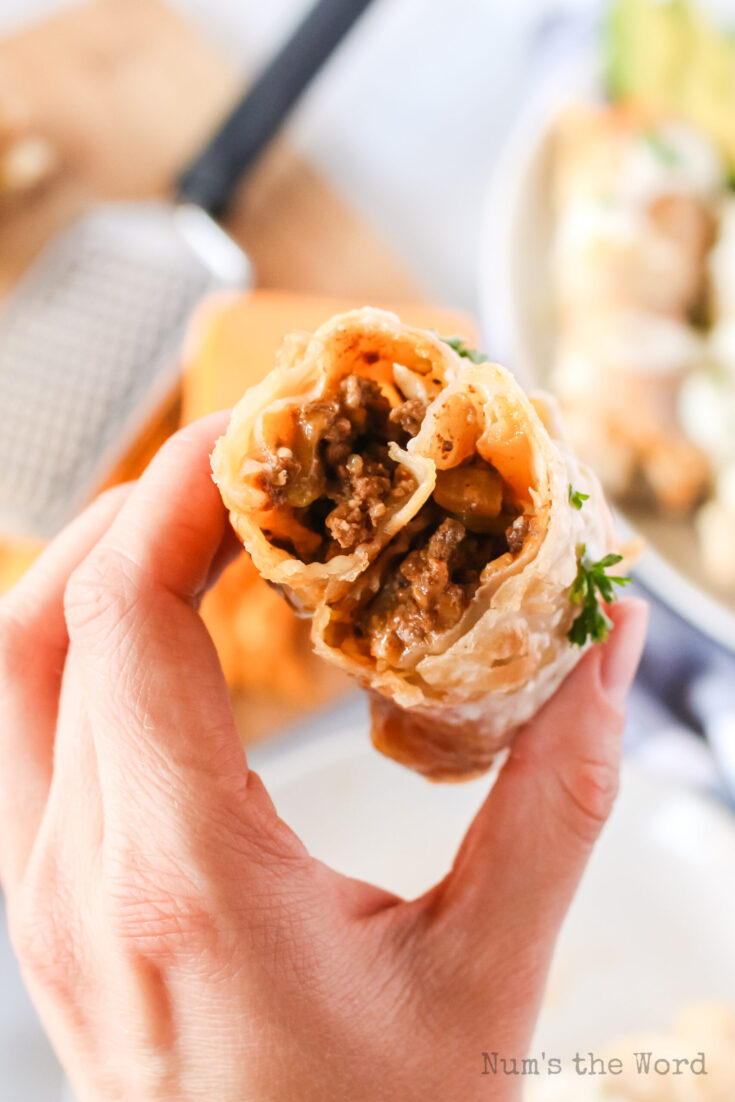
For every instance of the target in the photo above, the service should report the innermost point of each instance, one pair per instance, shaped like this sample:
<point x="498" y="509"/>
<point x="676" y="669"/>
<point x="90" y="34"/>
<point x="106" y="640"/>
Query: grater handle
<point x="210" y="180"/>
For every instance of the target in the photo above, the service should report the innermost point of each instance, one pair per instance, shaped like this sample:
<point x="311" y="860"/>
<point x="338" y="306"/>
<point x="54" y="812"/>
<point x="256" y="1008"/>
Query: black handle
<point x="210" y="180"/>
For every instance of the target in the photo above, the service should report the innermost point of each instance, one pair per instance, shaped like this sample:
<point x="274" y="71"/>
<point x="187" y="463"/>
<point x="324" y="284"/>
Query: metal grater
<point x="89" y="339"/>
<point x="89" y="344"/>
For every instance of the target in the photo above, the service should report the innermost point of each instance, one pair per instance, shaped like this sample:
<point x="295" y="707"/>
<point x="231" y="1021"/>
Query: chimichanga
<point x="424" y="511"/>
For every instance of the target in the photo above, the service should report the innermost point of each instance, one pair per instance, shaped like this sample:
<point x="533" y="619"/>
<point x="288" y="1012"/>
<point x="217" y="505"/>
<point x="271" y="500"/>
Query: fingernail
<point x="622" y="652"/>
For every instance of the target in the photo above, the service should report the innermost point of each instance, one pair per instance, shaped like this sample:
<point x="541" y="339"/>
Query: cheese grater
<point x="90" y="336"/>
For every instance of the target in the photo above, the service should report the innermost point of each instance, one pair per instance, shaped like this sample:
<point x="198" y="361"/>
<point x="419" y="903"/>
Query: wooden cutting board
<point x="128" y="92"/>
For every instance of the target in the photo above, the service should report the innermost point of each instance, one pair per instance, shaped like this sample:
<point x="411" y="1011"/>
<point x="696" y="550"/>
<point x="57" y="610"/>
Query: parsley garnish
<point x="660" y="148"/>
<point x="592" y="622"/>
<point x="463" y="349"/>
<point x="577" y="498"/>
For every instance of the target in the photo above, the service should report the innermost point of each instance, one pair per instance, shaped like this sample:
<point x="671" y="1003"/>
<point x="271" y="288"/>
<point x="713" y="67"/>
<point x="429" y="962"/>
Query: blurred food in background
<point x="643" y="271"/>
<point x="672" y="57"/>
<point x="635" y="218"/>
<point x="27" y="157"/>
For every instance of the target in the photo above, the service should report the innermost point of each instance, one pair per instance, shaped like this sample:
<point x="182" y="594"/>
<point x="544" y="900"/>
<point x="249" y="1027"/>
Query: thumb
<point x="523" y="857"/>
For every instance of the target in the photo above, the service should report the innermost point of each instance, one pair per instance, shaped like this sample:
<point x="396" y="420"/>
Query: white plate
<point x="516" y="298"/>
<point x="650" y="930"/>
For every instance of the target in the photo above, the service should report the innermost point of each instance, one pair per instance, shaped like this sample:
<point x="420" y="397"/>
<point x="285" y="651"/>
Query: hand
<point x="177" y="938"/>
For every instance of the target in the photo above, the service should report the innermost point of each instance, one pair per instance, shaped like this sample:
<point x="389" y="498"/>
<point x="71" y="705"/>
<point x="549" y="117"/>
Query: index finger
<point x="33" y="645"/>
<point x="154" y="689"/>
<point x="172" y="526"/>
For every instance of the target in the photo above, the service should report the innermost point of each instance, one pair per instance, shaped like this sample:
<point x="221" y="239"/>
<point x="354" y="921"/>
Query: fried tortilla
<point x="417" y="505"/>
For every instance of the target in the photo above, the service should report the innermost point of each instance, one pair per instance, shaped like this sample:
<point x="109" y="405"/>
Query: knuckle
<point x="177" y="446"/>
<point x="99" y="591"/>
<point x="590" y="788"/>
<point x="155" y="913"/>
<point x="108" y="502"/>
<point x="42" y="928"/>
<point x="158" y="925"/>
<point x="14" y="646"/>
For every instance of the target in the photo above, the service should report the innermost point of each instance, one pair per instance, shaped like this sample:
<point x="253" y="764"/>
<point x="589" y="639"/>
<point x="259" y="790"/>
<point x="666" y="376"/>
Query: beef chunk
<point x="428" y="592"/>
<point x="278" y="474"/>
<point x="365" y="486"/>
<point x="409" y="415"/>
<point x="516" y="534"/>
<point x="338" y="475"/>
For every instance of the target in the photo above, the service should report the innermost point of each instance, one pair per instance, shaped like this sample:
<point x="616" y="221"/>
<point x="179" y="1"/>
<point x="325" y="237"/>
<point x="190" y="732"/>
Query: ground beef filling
<point x="433" y="585"/>
<point x="515" y="533"/>
<point x="338" y="480"/>
<point x="337" y="475"/>
<point x="409" y="415"/>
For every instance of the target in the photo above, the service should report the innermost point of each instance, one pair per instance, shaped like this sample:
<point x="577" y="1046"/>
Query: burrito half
<point x="429" y="517"/>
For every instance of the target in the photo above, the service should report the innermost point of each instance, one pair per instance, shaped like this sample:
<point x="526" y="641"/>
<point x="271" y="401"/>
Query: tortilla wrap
<point x="448" y="597"/>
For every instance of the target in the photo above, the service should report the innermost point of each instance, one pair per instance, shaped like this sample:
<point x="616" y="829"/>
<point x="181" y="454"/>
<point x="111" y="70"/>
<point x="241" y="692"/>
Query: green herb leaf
<point x="660" y="148"/>
<point x="577" y="498"/>
<point x="593" y="623"/>
<point x="463" y="349"/>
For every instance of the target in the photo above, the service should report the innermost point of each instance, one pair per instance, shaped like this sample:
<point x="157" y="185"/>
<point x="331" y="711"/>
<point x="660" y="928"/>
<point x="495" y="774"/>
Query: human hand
<point x="177" y="938"/>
